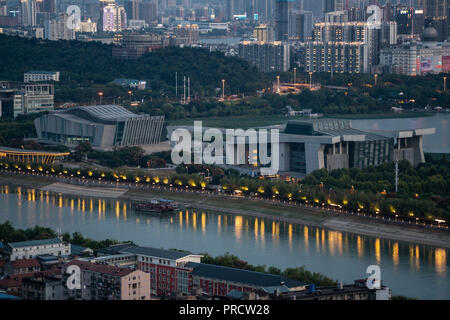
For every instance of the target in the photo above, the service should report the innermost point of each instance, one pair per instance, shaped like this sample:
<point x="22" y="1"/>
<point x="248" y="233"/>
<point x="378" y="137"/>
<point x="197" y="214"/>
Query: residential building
<point x="104" y="126"/>
<point x="187" y="34"/>
<point x="33" y="248"/>
<point x="21" y="266"/>
<point x="114" y="18"/>
<point x="166" y="268"/>
<point x="105" y="282"/>
<point x="263" y="33"/>
<point x="37" y="76"/>
<point x="267" y="57"/>
<point x="42" y="287"/>
<point x="337" y="57"/>
<point x="219" y="281"/>
<point x="56" y="29"/>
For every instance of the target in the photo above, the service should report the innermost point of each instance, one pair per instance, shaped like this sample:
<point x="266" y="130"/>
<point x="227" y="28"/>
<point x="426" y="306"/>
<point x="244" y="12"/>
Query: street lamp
<point x="295" y="75"/>
<point x="278" y="84"/>
<point x="310" y="80"/>
<point x="376" y="78"/>
<point x="223" y="88"/>
<point x="445" y="84"/>
<point x="100" y="94"/>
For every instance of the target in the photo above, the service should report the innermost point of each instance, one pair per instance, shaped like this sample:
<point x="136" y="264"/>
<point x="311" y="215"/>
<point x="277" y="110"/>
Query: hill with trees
<point x="86" y="63"/>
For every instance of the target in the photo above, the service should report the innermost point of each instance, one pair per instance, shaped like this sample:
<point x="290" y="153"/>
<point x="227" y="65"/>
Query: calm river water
<point x="409" y="269"/>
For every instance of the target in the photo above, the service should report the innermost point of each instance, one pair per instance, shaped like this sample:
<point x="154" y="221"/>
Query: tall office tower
<point x="388" y="12"/>
<point x="433" y="8"/>
<point x="436" y="15"/>
<point x="282" y="9"/>
<point x="234" y="7"/>
<point x="148" y="11"/>
<point x="327" y="6"/>
<point x="300" y="5"/>
<point x="249" y="8"/>
<point x="264" y="9"/>
<point x="28" y="12"/>
<point x="418" y="21"/>
<point x="114" y="18"/>
<point x="301" y="25"/>
<point x="49" y="6"/>
<point x="132" y="9"/>
<point x="333" y="5"/>
<point x="92" y="11"/>
<point x="404" y="19"/>
<point x="355" y="14"/>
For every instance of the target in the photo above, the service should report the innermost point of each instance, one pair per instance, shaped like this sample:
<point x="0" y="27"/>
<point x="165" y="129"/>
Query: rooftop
<point x="25" y="263"/>
<point x="108" y="114"/>
<point x="101" y="268"/>
<point x="153" y="252"/>
<point x="41" y="72"/>
<point x="329" y="127"/>
<point x="25" y="151"/>
<point x="33" y="243"/>
<point x="252" y="278"/>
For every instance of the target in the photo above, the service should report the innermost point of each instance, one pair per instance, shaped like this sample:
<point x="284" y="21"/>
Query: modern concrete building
<point x="31" y="249"/>
<point x="104" y="126"/>
<point x="308" y="145"/>
<point x="37" y="76"/>
<point x="23" y="98"/>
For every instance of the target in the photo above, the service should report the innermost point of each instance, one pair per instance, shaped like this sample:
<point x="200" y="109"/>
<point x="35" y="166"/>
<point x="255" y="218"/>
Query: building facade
<point x="103" y="126"/>
<point x="31" y="249"/>
<point x="267" y="57"/>
<point x="105" y="282"/>
<point x="37" y="76"/>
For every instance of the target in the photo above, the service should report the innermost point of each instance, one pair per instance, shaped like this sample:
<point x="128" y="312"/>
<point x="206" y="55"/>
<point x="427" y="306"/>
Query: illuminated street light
<point x="223" y="88"/>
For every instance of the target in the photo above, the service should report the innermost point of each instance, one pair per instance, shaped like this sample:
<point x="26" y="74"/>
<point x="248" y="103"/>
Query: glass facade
<point x="297" y="161"/>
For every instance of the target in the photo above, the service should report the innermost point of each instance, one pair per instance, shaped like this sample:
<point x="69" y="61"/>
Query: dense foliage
<point x="83" y="64"/>
<point x="9" y="234"/>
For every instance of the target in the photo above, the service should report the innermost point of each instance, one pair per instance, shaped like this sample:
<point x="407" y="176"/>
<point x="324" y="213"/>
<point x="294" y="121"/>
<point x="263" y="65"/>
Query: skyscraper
<point x="28" y="12"/>
<point x="114" y="18"/>
<point x="283" y="7"/>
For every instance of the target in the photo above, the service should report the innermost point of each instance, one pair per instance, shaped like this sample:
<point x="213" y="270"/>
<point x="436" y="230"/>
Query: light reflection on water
<point x="410" y="269"/>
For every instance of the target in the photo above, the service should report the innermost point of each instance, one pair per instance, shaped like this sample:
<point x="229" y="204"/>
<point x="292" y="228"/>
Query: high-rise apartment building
<point x="57" y="29"/>
<point x="267" y="57"/>
<point x="114" y="18"/>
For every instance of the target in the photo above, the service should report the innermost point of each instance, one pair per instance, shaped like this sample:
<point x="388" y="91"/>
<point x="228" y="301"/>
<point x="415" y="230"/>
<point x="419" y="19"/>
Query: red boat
<point x="154" y="207"/>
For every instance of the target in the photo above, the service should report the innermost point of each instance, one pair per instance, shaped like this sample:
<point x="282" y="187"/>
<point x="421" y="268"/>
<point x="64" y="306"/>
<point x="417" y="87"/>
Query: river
<point x="413" y="270"/>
